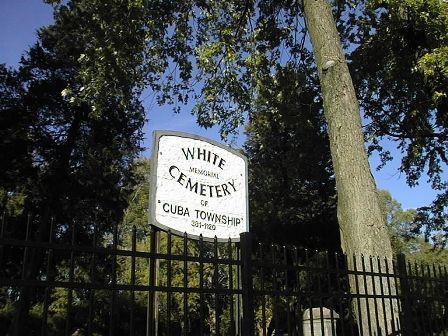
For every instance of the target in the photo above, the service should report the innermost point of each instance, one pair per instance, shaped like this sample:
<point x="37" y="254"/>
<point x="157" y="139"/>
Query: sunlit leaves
<point x="400" y="72"/>
<point x="404" y="233"/>
<point x="112" y="35"/>
<point x="434" y="66"/>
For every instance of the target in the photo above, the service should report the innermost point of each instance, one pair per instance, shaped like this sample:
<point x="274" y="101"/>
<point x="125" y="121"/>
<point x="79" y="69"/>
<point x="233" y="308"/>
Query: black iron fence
<point x="73" y="280"/>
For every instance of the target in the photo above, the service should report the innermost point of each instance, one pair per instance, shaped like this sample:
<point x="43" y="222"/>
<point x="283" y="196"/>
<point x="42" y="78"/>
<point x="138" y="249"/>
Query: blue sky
<point x="19" y="20"/>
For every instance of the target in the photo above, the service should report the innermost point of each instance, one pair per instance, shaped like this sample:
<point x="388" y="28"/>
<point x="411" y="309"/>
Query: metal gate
<point x="74" y="282"/>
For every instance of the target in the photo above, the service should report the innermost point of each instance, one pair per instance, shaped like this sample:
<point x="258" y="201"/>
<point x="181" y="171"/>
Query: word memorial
<point x="198" y="186"/>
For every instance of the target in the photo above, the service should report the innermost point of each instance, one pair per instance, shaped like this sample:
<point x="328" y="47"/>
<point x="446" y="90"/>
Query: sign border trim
<point x="157" y="134"/>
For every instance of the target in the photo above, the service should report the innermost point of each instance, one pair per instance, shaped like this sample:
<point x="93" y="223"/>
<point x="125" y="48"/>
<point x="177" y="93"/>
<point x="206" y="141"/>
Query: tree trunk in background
<point x="361" y="223"/>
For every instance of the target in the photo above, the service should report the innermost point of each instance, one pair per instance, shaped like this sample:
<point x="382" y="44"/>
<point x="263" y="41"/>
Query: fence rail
<point x="72" y="280"/>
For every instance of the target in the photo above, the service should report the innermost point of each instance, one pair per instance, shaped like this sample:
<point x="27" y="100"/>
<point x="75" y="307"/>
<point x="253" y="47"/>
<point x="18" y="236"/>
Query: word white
<point x="205" y="155"/>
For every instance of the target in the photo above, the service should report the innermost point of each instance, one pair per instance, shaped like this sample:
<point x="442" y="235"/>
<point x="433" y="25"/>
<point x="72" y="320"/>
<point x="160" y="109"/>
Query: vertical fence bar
<point x="338" y="274"/>
<point x="168" y="280"/>
<point x="418" y="297"/>
<point x="70" y="280"/>
<point x="247" y="284"/>
<point x="439" y="293"/>
<point x="132" y="312"/>
<point x="320" y="294"/>
<point x="434" y="302"/>
<point x="296" y="286"/>
<point x="231" y="287"/>
<point x="406" y="316"/>
<point x="151" y="318"/>
<point x="330" y="290"/>
<point x="391" y="300"/>
<point x="384" y="295"/>
<point x="216" y="286"/>
<point x="22" y="309"/>
<point x="275" y="298"/>
<point x="263" y="296"/>
<point x="112" y="314"/>
<point x="92" y="280"/>
<point x="364" y="277"/>
<point x="308" y="268"/>
<point x="27" y="249"/>
<point x="374" y="293"/>
<point x="428" y="314"/>
<point x="47" y="278"/>
<point x="201" y="286"/>
<point x="434" y="280"/>
<point x="286" y="287"/>
<point x="185" y="254"/>
<point x="358" y="296"/>
<point x="238" y="298"/>
<point x="346" y="288"/>
<point x="444" y="275"/>
<point x="428" y="298"/>
<point x="2" y="235"/>
<point x="398" y="290"/>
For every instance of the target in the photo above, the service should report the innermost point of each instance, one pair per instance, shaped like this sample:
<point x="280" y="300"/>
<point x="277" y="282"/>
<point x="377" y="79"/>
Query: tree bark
<point x="361" y="223"/>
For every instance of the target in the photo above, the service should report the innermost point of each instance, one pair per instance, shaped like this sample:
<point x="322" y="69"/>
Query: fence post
<point x="152" y="305"/>
<point x="247" y="284"/>
<point x="405" y="297"/>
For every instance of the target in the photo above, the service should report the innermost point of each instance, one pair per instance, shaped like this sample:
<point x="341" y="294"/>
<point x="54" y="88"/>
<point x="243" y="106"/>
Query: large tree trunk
<point x="361" y="223"/>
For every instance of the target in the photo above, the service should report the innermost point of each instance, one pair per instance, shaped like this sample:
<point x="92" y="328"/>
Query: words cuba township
<point x="198" y="215"/>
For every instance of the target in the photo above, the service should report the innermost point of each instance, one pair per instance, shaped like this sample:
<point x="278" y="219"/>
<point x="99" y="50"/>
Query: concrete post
<point x="319" y="322"/>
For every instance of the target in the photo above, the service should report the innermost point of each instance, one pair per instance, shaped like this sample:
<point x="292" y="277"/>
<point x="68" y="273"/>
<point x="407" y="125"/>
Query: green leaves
<point x="403" y="228"/>
<point x="400" y="72"/>
<point x="434" y="66"/>
<point x="77" y="118"/>
<point x="291" y="183"/>
<point x="111" y="62"/>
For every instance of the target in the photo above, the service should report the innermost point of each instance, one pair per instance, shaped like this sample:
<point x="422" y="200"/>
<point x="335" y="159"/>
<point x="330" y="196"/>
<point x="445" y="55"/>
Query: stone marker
<point x="322" y="322"/>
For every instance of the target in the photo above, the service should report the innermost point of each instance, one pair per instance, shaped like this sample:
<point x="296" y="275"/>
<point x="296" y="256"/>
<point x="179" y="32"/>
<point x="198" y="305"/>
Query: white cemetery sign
<point x="198" y="186"/>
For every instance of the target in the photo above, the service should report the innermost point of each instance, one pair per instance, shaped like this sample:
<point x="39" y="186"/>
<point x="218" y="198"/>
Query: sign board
<point x="198" y="186"/>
